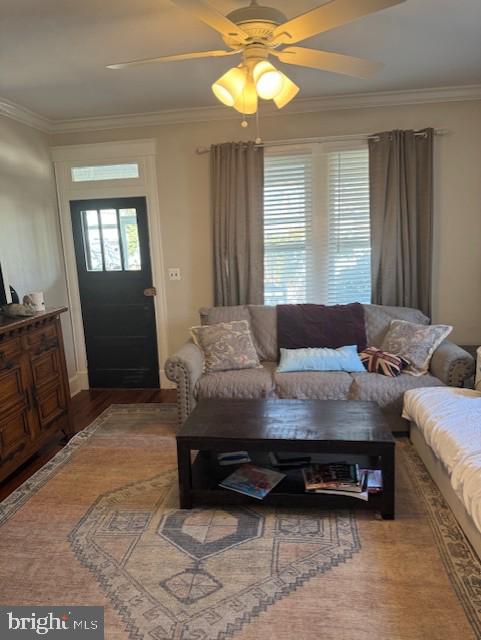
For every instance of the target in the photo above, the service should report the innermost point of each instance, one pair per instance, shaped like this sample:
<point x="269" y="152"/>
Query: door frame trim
<point x="144" y="153"/>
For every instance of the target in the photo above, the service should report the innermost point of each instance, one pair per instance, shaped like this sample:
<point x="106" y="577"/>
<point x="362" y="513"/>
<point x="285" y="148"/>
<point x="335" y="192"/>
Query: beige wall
<point x="183" y="178"/>
<point x="30" y="247"/>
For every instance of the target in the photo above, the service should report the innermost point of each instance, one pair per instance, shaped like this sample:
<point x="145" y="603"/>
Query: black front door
<point x="111" y="239"/>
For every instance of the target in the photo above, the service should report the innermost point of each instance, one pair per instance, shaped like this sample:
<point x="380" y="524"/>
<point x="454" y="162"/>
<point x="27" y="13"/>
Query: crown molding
<point x="208" y="114"/>
<point x="301" y="105"/>
<point x="25" y="116"/>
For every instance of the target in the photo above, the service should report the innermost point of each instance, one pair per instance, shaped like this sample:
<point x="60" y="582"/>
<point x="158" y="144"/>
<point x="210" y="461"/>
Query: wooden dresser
<point x="34" y="391"/>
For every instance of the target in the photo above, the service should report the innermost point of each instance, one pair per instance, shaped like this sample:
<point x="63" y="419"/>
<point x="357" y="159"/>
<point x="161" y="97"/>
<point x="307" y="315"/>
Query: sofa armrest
<point x="451" y="364"/>
<point x="184" y="368"/>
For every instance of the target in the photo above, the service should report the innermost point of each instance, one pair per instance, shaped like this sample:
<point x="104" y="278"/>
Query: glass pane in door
<point x="130" y="239"/>
<point x="111" y="240"/>
<point x="92" y="243"/>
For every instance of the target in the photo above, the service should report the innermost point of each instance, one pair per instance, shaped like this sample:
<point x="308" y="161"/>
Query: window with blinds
<point x="316" y="224"/>
<point x="349" y="239"/>
<point x="287" y="227"/>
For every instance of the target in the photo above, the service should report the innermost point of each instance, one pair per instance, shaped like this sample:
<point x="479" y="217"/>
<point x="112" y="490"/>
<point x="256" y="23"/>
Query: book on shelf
<point x="374" y="480"/>
<point x="288" y="459"/>
<point x="252" y="481"/>
<point x="232" y="457"/>
<point x="339" y="476"/>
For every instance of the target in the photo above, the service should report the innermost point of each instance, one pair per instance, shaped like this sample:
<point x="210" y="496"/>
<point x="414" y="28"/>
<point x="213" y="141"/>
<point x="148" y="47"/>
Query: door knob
<point x="150" y="292"/>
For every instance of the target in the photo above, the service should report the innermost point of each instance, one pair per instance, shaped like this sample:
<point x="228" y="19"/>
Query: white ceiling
<point x="53" y="53"/>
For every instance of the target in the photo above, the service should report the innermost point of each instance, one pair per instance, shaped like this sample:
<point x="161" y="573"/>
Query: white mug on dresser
<point x="38" y="300"/>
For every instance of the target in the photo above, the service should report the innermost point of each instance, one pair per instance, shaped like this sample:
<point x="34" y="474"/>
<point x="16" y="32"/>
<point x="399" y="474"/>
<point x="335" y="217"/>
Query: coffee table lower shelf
<point x="199" y="485"/>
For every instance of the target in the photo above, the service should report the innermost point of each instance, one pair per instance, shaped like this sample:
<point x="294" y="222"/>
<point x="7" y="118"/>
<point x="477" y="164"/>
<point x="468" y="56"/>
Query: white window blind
<point x="349" y="241"/>
<point x="287" y="227"/>
<point x="316" y="224"/>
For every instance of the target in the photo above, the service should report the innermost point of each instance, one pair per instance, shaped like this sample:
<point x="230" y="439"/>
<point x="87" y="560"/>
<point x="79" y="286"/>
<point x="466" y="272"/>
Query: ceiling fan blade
<point x="180" y="56"/>
<point x="328" y="16"/>
<point x="327" y="61"/>
<point x="206" y="13"/>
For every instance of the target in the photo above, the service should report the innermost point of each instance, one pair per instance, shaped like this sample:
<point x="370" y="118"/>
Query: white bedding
<point x="450" y="420"/>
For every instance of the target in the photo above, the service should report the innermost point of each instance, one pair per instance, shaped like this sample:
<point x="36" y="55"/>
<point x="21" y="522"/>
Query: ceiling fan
<point x="257" y="32"/>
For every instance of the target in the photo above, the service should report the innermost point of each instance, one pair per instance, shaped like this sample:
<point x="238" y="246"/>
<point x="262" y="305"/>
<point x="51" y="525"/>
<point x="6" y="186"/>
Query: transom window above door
<point x="111" y="240"/>
<point x="99" y="172"/>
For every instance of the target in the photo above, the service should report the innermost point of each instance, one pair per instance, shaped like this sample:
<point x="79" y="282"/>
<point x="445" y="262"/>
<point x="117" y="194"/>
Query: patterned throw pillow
<point x="378" y="361"/>
<point x="226" y="346"/>
<point x="415" y="342"/>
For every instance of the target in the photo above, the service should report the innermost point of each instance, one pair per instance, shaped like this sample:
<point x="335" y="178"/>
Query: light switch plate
<point x="174" y="273"/>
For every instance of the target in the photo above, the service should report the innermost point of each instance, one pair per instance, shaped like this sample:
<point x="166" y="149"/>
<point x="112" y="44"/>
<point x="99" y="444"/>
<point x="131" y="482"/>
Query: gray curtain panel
<point x="237" y="188"/>
<point x="401" y="195"/>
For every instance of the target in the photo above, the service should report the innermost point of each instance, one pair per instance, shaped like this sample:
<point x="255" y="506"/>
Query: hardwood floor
<point x="86" y="406"/>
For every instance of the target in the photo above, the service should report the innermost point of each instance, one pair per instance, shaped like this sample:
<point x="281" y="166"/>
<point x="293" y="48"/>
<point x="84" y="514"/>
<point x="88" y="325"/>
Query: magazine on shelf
<point x="232" y="457"/>
<point x="252" y="481"/>
<point x="288" y="459"/>
<point x="335" y="475"/>
<point x="361" y="494"/>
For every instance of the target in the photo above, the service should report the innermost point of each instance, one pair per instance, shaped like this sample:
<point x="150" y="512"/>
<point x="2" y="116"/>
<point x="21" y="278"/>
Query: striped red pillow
<point x="378" y="361"/>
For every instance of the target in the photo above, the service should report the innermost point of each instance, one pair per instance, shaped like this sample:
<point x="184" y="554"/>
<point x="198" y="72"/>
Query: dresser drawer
<point x="46" y="368"/>
<point x="51" y="404"/>
<point x="42" y="339"/>
<point x="9" y="352"/>
<point x="14" y="434"/>
<point x="12" y="389"/>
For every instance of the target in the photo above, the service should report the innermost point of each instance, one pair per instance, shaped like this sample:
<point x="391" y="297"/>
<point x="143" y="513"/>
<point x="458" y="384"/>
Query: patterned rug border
<point x="18" y="498"/>
<point x="458" y="556"/>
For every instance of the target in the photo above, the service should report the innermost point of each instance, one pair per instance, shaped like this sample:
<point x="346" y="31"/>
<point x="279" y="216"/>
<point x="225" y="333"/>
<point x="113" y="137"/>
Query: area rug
<point x="100" y="524"/>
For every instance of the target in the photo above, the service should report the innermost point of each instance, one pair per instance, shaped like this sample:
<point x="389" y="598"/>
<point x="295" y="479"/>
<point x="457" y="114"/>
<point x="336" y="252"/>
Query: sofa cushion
<point x="262" y="320"/>
<point x="264" y="330"/>
<point x="313" y="385"/>
<point x="214" y="315"/>
<point x="388" y="392"/>
<point x="244" y="383"/>
<point x="378" y="318"/>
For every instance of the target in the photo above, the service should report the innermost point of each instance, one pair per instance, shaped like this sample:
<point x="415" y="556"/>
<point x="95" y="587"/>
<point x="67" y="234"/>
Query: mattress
<point x="450" y="421"/>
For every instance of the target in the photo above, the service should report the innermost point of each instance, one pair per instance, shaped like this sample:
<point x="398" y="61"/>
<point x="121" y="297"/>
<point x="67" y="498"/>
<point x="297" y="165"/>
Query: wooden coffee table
<point x="338" y="429"/>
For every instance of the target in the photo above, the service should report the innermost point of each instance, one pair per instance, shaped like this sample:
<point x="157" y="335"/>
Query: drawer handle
<point x="46" y="345"/>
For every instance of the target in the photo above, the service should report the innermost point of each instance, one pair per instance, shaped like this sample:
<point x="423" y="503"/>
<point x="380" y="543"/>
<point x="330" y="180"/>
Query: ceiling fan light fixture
<point x="230" y="86"/>
<point x="246" y="103"/>
<point x="268" y="80"/>
<point x="289" y="92"/>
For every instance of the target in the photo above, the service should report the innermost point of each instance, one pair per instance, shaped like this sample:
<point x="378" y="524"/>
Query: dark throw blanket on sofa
<point x="318" y="325"/>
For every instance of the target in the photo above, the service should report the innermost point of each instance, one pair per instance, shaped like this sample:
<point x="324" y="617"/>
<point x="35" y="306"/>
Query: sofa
<point x="446" y="433"/>
<point x="450" y="365"/>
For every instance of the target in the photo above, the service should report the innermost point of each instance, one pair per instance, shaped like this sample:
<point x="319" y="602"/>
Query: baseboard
<point x="78" y="382"/>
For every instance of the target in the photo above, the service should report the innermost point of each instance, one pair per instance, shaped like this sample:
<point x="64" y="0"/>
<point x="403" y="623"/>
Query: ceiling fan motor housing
<point x="257" y="21"/>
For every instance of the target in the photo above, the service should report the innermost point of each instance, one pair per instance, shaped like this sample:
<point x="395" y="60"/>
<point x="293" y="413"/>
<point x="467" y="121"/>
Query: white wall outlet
<point x="174" y="273"/>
